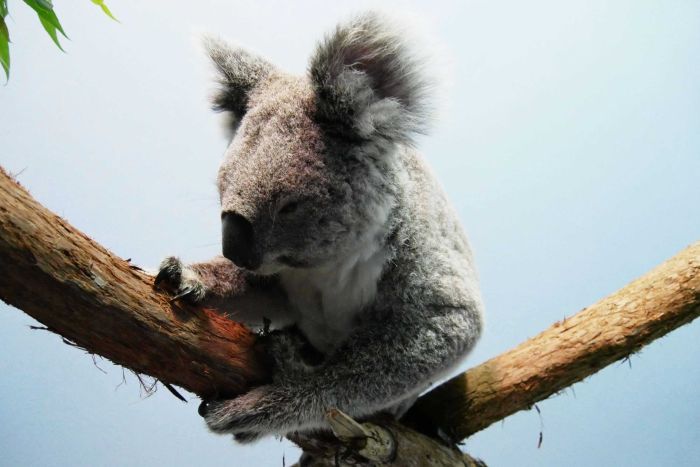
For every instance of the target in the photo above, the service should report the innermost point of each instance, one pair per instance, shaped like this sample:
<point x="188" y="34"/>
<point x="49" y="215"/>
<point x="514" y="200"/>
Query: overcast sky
<point x="570" y="147"/>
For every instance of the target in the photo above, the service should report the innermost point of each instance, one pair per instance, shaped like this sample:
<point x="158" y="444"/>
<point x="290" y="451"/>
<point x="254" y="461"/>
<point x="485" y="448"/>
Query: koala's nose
<point x="237" y="240"/>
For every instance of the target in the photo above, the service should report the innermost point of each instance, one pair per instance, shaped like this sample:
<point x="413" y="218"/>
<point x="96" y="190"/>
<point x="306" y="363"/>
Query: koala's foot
<point x="181" y="280"/>
<point x="264" y="410"/>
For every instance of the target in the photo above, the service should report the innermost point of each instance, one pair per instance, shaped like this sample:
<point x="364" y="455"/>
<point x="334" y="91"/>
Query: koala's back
<point x="433" y="260"/>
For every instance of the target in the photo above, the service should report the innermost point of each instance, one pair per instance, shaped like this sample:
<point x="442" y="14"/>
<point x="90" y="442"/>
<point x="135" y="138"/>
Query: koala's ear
<point x="369" y="83"/>
<point x="239" y="72"/>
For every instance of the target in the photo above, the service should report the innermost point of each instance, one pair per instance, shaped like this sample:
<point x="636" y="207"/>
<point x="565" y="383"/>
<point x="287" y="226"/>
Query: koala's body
<point x="326" y="203"/>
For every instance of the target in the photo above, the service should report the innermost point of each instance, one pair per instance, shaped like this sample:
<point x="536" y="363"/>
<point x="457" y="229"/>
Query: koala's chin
<point x="275" y="263"/>
<point x="270" y="268"/>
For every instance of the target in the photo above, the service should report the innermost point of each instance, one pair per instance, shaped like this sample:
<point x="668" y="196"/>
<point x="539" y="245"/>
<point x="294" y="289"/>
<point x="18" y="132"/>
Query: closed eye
<point x="289" y="207"/>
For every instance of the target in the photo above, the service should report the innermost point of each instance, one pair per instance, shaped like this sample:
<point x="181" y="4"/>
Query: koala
<point x="326" y="201"/>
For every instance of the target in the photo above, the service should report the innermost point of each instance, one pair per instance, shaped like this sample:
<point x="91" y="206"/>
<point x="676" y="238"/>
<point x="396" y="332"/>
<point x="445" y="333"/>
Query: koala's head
<point x="311" y="172"/>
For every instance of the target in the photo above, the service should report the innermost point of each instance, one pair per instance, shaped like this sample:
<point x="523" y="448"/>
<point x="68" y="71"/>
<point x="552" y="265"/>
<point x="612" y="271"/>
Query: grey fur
<point x="353" y="229"/>
<point x="239" y="72"/>
<point x="369" y="82"/>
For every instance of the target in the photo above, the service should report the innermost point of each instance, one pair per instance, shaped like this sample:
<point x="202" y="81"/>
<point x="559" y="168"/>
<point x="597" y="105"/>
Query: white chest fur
<point x="328" y="299"/>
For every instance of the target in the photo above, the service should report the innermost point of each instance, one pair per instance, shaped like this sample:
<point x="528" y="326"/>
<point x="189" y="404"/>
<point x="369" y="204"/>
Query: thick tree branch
<point x="78" y="289"/>
<point x="382" y="442"/>
<point x="81" y="291"/>
<point x="572" y="349"/>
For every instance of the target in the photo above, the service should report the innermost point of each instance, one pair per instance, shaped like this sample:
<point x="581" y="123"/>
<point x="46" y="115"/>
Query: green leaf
<point x="44" y="8"/>
<point x="48" y="19"/>
<point x="3" y="8"/>
<point x="104" y="7"/>
<point x="5" y="47"/>
<point x="51" y="30"/>
<point x="47" y="4"/>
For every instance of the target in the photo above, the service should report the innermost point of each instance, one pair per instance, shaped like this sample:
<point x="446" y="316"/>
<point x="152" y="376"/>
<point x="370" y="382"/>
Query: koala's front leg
<point x="380" y="365"/>
<point x="220" y="284"/>
<point x="214" y="278"/>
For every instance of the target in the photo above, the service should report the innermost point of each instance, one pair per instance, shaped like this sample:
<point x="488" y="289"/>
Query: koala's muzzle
<point x="238" y="242"/>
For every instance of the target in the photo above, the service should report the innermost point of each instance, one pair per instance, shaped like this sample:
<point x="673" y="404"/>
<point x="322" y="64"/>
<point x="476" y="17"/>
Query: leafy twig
<point x="48" y="19"/>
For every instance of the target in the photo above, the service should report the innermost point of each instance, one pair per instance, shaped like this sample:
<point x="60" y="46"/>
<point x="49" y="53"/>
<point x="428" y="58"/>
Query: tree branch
<point x="572" y="349"/>
<point x="104" y="304"/>
<point x="78" y="289"/>
<point x="382" y="442"/>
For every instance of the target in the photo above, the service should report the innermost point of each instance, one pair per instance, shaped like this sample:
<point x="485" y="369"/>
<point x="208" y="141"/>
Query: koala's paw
<point x="181" y="280"/>
<point x="262" y="411"/>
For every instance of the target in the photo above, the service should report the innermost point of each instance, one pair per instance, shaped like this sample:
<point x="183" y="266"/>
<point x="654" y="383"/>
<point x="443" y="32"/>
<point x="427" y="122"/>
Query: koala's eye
<point x="289" y="207"/>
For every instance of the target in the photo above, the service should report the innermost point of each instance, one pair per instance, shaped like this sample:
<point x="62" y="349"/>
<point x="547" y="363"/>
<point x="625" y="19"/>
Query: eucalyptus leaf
<point x="49" y="21"/>
<point x="105" y="9"/>
<point x="51" y="29"/>
<point x="44" y="8"/>
<point x="4" y="48"/>
<point x="48" y="4"/>
<point x="4" y="32"/>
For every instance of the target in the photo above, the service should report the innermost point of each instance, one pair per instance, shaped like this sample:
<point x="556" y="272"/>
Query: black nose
<point x="237" y="241"/>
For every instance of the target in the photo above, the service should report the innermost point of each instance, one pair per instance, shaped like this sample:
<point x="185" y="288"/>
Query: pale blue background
<point x="571" y="149"/>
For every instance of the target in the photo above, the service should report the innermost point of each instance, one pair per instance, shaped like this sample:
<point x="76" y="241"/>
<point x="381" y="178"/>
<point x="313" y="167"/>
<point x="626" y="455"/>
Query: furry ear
<point x="238" y="74"/>
<point x="368" y="83"/>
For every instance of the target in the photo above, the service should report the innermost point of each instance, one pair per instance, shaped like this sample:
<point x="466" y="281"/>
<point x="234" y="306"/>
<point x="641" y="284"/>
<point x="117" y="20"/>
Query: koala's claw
<point x="203" y="408"/>
<point x="190" y="293"/>
<point x="182" y="280"/>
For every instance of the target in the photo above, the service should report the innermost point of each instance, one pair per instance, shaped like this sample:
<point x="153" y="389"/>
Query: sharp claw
<point x="186" y="291"/>
<point x="170" y="271"/>
<point x="191" y="293"/>
<point x="203" y="408"/>
<point x="160" y="277"/>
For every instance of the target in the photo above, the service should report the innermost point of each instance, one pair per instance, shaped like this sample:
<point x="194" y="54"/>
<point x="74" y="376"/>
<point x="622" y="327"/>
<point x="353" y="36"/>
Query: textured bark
<point x="78" y="289"/>
<point x="411" y="449"/>
<point x="81" y="291"/>
<point x="662" y="300"/>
